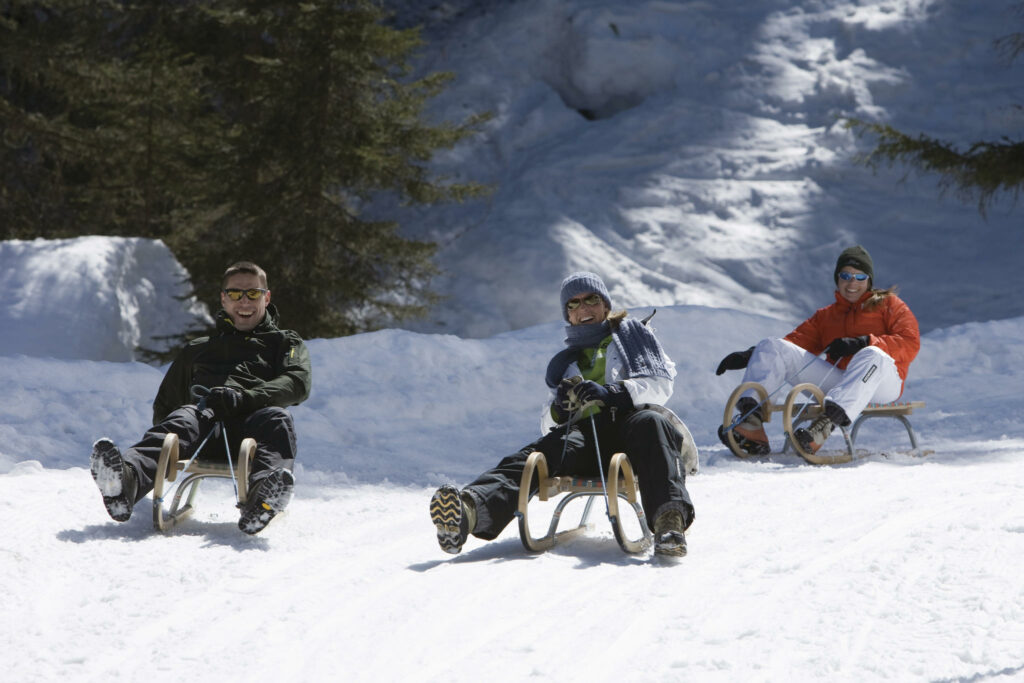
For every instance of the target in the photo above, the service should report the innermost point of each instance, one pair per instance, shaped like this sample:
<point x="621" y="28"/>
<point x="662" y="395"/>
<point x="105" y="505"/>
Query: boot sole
<point x="275" y="492"/>
<point x="446" y="514"/>
<point x="753" y="442"/>
<point x="107" y="468"/>
<point x="672" y="544"/>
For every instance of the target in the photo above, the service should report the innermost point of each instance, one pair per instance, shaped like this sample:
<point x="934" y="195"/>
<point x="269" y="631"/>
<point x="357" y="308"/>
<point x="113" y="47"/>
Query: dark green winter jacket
<point x="269" y="365"/>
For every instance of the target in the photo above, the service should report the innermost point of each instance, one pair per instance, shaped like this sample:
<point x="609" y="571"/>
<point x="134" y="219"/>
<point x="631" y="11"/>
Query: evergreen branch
<point x="985" y="170"/>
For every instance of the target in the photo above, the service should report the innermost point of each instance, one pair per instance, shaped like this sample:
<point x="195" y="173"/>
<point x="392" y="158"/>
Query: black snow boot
<point x="266" y="500"/>
<point x="669" y="532"/>
<point x="115" y="478"/>
<point x="454" y="517"/>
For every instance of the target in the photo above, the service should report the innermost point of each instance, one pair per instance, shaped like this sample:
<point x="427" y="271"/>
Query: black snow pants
<point x="645" y="436"/>
<point x="271" y="428"/>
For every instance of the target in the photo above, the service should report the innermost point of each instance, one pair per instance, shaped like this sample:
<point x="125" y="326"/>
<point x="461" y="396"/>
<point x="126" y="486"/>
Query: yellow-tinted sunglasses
<point x="592" y="300"/>
<point x="250" y="294"/>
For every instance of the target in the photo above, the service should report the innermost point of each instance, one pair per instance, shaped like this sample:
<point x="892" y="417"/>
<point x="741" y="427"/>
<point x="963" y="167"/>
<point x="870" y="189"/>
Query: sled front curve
<point x="730" y="411"/>
<point x="808" y="411"/>
<point x="167" y="471"/>
<point x="622" y="484"/>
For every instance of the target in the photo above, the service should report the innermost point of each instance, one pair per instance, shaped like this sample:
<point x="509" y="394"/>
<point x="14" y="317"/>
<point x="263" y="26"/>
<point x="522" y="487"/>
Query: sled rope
<point x="740" y="418"/>
<point x="200" y="392"/>
<point x="803" y="407"/>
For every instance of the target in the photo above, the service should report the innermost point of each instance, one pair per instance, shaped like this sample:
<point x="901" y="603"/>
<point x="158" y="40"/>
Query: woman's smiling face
<point x="853" y="289"/>
<point x="587" y="308"/>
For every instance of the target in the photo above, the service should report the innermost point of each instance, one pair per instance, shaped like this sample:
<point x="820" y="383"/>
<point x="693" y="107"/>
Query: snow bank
<point x="409" y="408"/>
<point x="92" y="297"/>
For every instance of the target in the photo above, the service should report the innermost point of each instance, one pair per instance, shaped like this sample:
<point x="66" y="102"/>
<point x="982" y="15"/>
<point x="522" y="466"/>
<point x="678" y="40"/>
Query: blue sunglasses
<point x="859" y="277"/>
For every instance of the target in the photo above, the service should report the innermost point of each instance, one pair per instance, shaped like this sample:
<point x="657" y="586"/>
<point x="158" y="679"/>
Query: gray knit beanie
<point x="857" y="257"/>
<point x="582" y="282"/>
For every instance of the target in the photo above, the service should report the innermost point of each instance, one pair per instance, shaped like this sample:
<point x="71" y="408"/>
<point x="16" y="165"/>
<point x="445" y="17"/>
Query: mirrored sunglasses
<point x="592" y="300"/>
<point x="859" y="277"/>
<point x="251" y="294"/>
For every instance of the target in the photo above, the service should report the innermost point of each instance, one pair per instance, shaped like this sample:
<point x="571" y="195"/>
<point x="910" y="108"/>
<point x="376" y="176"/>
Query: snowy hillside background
<point x="721" y="200"/>
<point x="717" y="173"/>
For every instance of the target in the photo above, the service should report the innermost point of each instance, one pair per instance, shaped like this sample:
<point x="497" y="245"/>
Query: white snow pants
<point x="870" y="377"/>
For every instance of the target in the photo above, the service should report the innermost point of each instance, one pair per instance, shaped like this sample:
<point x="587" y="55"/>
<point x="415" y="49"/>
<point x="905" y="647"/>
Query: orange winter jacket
<point x="890" y="326"/>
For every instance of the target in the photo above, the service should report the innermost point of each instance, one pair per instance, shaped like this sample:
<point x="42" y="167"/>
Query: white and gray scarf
<point x="639" y="348"/>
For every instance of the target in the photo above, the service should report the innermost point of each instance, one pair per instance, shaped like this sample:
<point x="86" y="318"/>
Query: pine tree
<point x="232" y="129"/>
<point x="102" y="117"/>
<point x="984" y="170"/>
<point x="327" y="121"/>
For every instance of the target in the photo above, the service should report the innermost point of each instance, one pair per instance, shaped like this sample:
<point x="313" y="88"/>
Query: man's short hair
<point x="245" y="267"/>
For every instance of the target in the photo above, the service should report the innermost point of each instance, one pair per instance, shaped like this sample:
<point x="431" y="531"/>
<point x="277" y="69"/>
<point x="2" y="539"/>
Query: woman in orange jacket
<point x="869" y="337"/>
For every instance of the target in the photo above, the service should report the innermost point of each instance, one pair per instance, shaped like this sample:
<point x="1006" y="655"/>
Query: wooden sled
<point x="796" y="409"/>
<point x="622" y="483"/>
<point x="196" y="470"/>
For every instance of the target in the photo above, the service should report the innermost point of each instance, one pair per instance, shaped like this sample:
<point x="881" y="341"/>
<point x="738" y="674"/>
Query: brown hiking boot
<point x="811" y="438"/>
<point x="749" y="434"/>
<point x="669" y="535"/>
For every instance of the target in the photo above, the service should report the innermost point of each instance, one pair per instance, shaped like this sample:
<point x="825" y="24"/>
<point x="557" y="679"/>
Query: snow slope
<point x="718" y="172"/>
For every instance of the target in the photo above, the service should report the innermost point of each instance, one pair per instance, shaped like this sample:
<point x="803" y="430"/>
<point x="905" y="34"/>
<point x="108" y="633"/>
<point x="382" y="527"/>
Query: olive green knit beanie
<point x="857" y="257"/>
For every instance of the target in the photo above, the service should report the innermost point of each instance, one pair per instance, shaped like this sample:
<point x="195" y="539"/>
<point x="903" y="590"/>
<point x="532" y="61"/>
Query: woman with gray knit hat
<point x="619" y="374"/>
<point x="869" y="337"/>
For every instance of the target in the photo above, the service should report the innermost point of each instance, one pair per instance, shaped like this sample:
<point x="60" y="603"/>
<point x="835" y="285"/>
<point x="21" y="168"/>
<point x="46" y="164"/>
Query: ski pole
<point x="600" y="469"/>
<point x="231" y="465"/>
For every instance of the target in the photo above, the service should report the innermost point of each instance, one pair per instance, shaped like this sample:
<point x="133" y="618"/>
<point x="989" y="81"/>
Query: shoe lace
<point x="822" y="426"/>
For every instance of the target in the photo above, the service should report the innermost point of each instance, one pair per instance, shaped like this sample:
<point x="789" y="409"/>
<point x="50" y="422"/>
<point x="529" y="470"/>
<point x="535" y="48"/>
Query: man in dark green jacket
<point x="243" y="376"/>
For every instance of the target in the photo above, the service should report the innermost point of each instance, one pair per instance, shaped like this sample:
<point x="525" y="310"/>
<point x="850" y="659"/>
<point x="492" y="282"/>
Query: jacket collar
<point x="841" y="300"/>
<point x="268" y="324"/>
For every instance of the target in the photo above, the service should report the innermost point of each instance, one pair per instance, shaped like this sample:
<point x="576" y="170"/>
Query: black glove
<point x="608" y="395"/>
<point x="737" y="360"/>
<point x="840" y="347"/>
<point x="225" y="402"/>
<point x="564" y="405"/>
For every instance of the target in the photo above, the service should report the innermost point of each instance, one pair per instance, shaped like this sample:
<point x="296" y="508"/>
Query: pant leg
<point x="495" y="493"/>
<point x="652" y="445"/>
<point x="144" y="456"/>
<point x="776" y="362"/>
<point x="274" y="432"/>
<point x="871" y="376"/>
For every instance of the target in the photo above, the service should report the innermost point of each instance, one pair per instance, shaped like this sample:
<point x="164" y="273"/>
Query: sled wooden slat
<point x="167" y="471"/>
<point x="797" y="408"/>
<point x="621" y="484"/>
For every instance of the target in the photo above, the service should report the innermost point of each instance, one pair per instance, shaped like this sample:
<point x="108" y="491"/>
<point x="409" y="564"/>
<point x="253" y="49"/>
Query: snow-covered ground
<point x="894" y="567"/>
<point x="891" y="568"/>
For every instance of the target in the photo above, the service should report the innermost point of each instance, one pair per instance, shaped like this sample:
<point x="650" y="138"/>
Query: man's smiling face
<point x="245" y="313"/>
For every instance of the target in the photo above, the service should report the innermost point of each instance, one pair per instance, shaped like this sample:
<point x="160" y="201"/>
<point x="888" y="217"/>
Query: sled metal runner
<point x="195" y="470"/>
<point x="797" y="409"/>
<point x="622" y="483"/>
